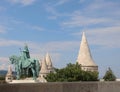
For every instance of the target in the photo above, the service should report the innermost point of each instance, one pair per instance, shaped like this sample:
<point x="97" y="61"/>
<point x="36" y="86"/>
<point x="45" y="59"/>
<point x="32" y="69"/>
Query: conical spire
<point x="9" y="76"/>
<point x="9" y="71"/>
<point x="48" y="61"/>
<point x="44" y="69"/>
<point x="84" y="56"/>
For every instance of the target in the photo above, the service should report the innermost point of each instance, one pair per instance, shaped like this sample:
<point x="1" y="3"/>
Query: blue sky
<point x="56" y="26"/>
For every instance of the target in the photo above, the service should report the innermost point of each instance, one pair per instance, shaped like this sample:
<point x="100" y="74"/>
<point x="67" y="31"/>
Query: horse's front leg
<point x="34" y="75"/>
<point x="18" y="73"/>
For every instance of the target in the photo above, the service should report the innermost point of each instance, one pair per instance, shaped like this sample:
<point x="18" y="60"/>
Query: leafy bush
<point x="2" y="77"/>
<point x="72" y="73"/>
<point x="109" y="75"/>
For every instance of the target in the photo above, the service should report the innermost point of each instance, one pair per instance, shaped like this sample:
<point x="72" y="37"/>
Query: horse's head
<point x="13" y="59"/>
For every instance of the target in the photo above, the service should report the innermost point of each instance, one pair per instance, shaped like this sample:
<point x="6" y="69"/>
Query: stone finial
<point x="48" y="61"/>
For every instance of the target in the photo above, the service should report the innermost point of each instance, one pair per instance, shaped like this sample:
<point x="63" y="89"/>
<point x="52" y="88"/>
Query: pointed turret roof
<point x="84" y="56"/>
<point x="48" y="61"/>
<point x="9" y="75"/>
<point x="9" y="71"/>
<point x="44" y="69"/>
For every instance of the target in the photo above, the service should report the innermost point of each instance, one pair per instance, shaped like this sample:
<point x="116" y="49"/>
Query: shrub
<point x="109" y="75"/>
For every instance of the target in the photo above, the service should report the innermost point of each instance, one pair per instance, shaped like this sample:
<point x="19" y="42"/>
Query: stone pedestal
<point x="27" y="80"/>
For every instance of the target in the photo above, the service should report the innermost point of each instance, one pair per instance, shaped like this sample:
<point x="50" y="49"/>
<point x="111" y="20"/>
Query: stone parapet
<point x="62" y="87"/>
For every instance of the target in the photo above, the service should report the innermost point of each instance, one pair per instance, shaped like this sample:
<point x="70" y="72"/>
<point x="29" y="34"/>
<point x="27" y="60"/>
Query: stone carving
<point x="24" y="65"/>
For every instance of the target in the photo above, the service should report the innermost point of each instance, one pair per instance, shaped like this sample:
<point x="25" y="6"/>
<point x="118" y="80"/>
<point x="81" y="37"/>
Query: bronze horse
<point x="23" y="66"/>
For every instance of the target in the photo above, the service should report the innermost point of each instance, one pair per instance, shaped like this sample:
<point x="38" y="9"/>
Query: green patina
<point x="24" y="64"/>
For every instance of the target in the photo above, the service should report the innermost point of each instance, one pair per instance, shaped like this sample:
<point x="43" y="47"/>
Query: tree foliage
<point x="2" y="77"/>
<point x="72" y="72"/>
<point x="109" y="75"/>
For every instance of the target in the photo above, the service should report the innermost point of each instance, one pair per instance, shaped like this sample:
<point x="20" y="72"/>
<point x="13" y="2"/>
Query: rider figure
<point x="25" y="53"/>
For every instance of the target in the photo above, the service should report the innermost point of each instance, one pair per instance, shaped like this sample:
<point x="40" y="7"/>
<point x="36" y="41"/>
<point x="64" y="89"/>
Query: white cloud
<point x="101" y="4"/>
<point x="4" y="59"/>
<point x="81" y="20"/>
<point x="13" y="23"/>
<point x="95" y="12"/>
<point x="63" y="45"/>
<point x="61" y="2"/>
<point x="6" y="42"/>
<point x="23" y="2"/>
<point x="38" y="28"/>
<point x="27" y="2"/>
<point x="53" y="46"/>
<point x="52" y="10"/>
<point x="107" y="37"/>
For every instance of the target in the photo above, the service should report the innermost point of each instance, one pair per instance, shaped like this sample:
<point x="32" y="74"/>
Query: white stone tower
<point x="49" y="63"/>
<point x="9" y="75"/>
<point x="44" y="70"/>
<point x="84" y="57"/>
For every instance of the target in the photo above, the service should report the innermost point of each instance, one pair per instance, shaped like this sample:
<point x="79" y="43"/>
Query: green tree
<point x="90" y="76"/>
<point x="109" y="75"/>
<point x="2" y="77"/>
<point x="72" y="72"/>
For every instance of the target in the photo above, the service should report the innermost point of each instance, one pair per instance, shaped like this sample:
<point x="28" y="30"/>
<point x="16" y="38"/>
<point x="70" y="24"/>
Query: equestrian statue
<point x="25" y="66"/>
